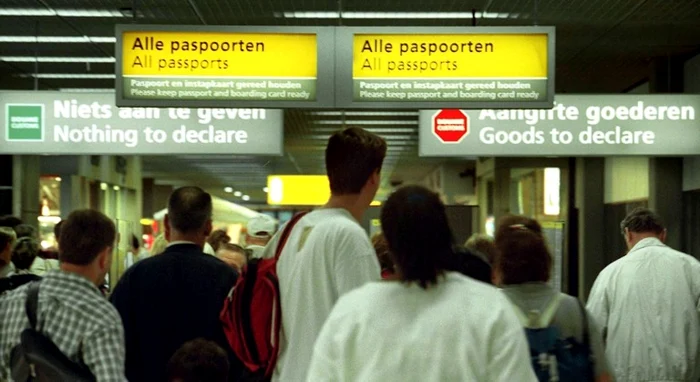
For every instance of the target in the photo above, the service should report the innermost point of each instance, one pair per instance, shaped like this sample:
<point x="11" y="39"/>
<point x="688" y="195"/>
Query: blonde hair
<point x="159" y="245"/>
<point x="483" y="244"/>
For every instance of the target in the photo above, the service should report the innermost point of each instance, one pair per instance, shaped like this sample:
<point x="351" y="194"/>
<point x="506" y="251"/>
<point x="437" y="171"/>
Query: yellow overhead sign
<point x="161" y="66"/>
<point x="218" y="54"/>
<point x="450" y="56"/>
<point x="298" y="190"/>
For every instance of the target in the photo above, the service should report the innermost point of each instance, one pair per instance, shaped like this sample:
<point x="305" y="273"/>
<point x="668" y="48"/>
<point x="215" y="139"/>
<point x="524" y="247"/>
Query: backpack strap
<point x="31" y="303"/>
<point x="536" y="319"/>
<point x="285" y="234"/>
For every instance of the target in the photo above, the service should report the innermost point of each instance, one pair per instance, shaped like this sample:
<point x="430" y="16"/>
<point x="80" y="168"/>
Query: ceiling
<point x="602" y="47"/>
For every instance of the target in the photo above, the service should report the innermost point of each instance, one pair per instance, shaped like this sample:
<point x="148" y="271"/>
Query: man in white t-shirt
<point x="328" y="253"/>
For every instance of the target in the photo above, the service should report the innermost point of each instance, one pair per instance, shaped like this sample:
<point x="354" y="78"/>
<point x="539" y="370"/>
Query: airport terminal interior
<point x="572" y="113"/>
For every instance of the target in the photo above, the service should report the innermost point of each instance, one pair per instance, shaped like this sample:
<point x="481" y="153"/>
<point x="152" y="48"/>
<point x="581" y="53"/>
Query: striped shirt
<point x="75" y="316"/>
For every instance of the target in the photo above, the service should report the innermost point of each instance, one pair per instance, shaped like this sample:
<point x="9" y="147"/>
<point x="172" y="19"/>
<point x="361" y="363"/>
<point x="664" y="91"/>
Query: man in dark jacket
<point x="175" y="297"/>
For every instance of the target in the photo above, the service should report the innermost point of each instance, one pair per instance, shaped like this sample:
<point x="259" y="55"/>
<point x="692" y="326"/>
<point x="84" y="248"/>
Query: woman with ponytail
<point x="523" y="267"/>
<point x="430" y="324"/>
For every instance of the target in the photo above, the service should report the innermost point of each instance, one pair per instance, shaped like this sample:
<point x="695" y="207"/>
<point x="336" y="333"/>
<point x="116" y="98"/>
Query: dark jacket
<point x="167" y="300"/>
<point x="15" y="281"/>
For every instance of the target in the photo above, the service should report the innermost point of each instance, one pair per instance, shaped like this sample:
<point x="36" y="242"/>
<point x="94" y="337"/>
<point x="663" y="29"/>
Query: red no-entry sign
<point x="450" y="125"/>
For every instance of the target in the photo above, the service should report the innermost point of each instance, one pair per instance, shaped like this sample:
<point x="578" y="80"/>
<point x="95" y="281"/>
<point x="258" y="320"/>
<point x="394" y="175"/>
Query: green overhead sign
<point x="577" y="125"/>
<point x="81" y="123"/>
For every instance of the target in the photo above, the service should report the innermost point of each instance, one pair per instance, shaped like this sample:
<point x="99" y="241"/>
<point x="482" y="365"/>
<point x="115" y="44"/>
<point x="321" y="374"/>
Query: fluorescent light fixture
<point x="238" y="194"/>
<point x="246" y="198"/>
<point x="59" y="39"/>
<point x="57" y="59"/>
<point x="361" y="122"/>
<point x="365" y="113"/>
<point x="228" y="190"/>
<point x="39" y="12"/>
<point x="70" y="76"/>
<point x="386" y="137"/>
<point x="49" y="219"/>
<point x="552" y="189"/>
<point x="395" y="15"/>
<point x="378" y="130"/>
<point x="86" y="90"/>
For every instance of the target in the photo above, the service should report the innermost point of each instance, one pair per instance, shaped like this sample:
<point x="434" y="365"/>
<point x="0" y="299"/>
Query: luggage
<point x="555" y="359"/>
<point x="36" y="358"/>
<point x="252" y="314"/>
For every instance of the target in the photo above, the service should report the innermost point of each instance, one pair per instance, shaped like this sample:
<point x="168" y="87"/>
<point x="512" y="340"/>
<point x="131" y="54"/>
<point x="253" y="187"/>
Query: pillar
<point x="666" y="173"/>
<point x="666" y="195"/>
<point x="26" y="172"/>
<point x="501" y="190"/>
<point x="590" y="199"/>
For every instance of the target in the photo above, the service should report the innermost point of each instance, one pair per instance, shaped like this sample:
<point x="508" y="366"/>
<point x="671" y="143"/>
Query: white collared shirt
<point x="648" y="302"/>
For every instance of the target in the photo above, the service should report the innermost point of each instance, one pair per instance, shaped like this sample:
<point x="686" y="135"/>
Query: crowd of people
<point x="405" y="305"/>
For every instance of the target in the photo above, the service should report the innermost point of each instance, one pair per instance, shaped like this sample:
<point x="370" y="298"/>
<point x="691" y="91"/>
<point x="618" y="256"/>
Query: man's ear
<point x="662" y="235"/>
<point x="166" y="226"/>
<point x="104" y="259"/>
<point x="208" y="227"/>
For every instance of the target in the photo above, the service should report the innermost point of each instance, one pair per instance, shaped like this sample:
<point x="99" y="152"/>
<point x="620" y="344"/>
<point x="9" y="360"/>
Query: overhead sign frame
<point x="344" y="77"/>
<point x="325" y="40"/>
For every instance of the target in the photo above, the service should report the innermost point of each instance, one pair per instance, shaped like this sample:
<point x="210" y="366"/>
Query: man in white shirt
<point x="648" y="306"/>
<point x="328" y="253"/>
<point x="259" y="231"/>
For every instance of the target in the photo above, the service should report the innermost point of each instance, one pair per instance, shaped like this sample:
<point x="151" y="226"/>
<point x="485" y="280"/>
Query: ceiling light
<point x="57" y="59"/>
<point x="361" y="122"/>
<point x="103" y="186"/>
<point x="394" y="15"/>
<point x="69" y="76"/>
<point x="365" y="113"/>
<point x="59" y="39"/>
<point x="86" y="90"/>
<point x="246" y="198"/>
<point x="228" y="190"/>
<point x="266" y="189"/>
<point x="115" y="188"/>
<point x="237" y="194"/>
<point x="38" y="12"/>
<point x="58" y="178"/>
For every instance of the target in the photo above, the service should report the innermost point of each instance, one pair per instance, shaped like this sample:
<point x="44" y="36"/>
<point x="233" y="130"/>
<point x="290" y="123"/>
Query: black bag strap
<point x="32" y="303"/>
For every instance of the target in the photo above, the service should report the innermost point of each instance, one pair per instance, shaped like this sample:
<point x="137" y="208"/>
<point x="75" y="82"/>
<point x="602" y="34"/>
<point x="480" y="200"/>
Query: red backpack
<point x="252" y="314"/>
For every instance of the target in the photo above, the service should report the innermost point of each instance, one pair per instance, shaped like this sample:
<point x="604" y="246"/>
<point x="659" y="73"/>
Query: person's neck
<point x="193" y="238"/>
<point x="83" y="271"/>
<point x="641" y="236"/>
<point x="353" y="203"/>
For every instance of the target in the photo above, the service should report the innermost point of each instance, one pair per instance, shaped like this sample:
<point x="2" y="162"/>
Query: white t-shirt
<point x="327" y="254"/>
<point x="457" y="330"/>
<point x="648" y="303"/>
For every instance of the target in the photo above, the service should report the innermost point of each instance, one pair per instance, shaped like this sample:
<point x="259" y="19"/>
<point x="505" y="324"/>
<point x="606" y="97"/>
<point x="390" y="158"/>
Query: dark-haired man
<point x="328" y="253"/>
<point x="71" y="310"/>
<point x="648" y="306"/>
<point x="175" y="297"/>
